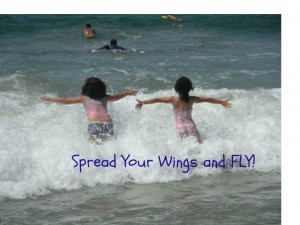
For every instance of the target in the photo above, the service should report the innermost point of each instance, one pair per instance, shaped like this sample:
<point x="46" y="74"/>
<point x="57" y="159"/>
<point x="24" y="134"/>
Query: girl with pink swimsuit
<point x="182" y="107"/>
<point x="94" y="99"/>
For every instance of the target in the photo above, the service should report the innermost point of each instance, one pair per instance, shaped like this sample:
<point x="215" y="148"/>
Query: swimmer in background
<point x="171" y="17"/>
<point x="113" y="45"/>
<point x="88" y="31"/>
<point x="94" y="98"/>
<point x="182" y="107"/>
<point x="116" y="48"/>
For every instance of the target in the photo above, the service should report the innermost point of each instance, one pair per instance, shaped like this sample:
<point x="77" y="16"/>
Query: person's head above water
<point x="113" y="42"/>
<point x="88" y="25"/>
<point x="94" y="88"/>
<point x="183" y="86"/>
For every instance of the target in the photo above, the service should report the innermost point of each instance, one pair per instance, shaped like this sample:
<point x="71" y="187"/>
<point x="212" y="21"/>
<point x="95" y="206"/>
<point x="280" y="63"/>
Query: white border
<point x="290" y="59"/>
<point x="290" y="150"/>
<point x="141" y="6"/>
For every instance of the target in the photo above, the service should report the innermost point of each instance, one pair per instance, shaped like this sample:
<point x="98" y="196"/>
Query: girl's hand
<point x="226" y="104"/>
<point x="139" y="105"/>
<point x="132" y="92"/>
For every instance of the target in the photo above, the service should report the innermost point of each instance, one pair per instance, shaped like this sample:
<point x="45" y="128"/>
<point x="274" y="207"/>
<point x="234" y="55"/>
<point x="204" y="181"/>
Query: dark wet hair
<point x="183" y="86"/>
<point x="113" y="42"/>
<point x="94" y="88"/>
<point x="88" y="25"/>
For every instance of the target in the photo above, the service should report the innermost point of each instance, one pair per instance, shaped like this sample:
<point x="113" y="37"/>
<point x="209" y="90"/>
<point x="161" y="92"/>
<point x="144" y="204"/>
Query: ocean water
<point x="226" y="56"/>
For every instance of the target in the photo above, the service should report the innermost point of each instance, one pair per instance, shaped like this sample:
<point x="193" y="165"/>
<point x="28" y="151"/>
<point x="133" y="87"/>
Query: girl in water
<point x="182" y="107"/>
<point x="94" y="98"/>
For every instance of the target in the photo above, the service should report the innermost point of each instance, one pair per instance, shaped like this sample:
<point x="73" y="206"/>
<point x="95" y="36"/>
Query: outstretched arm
<point x="118" y="96"/>
<point x="100" y="48"/>
<point x="225" y="103"/>
<point x="140" y="103"/>
<point x="74" y="100"/>
<point x="123" y="49"/>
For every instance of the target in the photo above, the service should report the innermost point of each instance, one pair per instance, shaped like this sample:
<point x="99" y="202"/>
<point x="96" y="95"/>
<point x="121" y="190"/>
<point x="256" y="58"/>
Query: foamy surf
<point x="39" y="140"/>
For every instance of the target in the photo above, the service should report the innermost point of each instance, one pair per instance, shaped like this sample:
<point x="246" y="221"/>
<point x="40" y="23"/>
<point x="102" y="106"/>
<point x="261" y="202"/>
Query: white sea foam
<point x="38" y="140"/>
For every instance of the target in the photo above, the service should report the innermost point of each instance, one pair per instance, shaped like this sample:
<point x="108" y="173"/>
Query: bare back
<point x="88" y="32"/>
<point x="179" y="105"/>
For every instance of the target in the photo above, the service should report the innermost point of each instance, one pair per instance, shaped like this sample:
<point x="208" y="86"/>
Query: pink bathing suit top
<point x="95" y="107"/>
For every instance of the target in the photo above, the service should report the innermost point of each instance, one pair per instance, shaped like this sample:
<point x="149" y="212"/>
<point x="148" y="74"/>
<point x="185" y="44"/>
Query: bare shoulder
<point x="170" y="98"/>
<point x="197" y="99"/>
